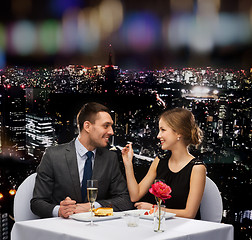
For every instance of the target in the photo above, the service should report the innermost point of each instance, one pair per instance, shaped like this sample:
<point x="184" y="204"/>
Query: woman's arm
<point x="197" y="185"/>
<point x="137" y="191"/>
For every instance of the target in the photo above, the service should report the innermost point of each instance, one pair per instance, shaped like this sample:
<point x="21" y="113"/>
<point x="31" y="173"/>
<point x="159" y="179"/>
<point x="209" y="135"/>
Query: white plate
<point x="150" y="216"/>
<point x="86" y="217"/>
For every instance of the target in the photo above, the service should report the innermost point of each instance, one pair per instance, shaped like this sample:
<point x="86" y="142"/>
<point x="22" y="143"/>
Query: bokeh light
<point x="12" y="192"/>
<point x="2" y="46"/>
<point x="141" y="31"/>
<point x="178" y="31"/>
<point x="49" y="36"/>
<point x="69" y="31"/>
<point x="88" y="31"/>
<point x="201" y="37"/>
<point x="203" y="33"/>
<point x="2" y="59"/>
<point x="83" y="28"/>
<point x="233" y="29"/>
<point x="110" y="15"/>
<point x="23" y="38"/>
<point x="2" y="37"/>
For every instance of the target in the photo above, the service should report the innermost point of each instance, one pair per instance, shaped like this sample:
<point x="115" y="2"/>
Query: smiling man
<point x="60" y="188"/>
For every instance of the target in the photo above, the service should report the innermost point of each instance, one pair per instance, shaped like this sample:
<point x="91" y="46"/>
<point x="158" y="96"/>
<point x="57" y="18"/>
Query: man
<point x="57" y="190"/>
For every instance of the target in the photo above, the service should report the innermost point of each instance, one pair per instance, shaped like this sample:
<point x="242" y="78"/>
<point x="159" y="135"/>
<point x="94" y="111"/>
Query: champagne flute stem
<point x="91" y="223"/>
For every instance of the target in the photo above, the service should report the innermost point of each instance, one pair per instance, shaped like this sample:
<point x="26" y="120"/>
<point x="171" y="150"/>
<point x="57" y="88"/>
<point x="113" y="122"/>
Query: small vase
<point x="159" y="218"/>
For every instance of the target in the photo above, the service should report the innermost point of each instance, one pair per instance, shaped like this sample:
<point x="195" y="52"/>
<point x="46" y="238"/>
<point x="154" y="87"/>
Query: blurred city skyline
<point x="176" y="33"/>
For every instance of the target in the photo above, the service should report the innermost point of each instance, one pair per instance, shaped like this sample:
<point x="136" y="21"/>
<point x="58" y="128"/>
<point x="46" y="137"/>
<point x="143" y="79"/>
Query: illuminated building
<point x="4" y="225"/>
<point x="110" y="76"/>
<point x="209" y="130"/>
<point x="13" y="130"/>
<point x="220" y="128"/>
<point x="36" y="99"/>
<point x="40" y="134"/>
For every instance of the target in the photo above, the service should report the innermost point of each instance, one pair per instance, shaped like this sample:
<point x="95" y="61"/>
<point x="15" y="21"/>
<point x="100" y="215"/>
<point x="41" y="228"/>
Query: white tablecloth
<point x="69" y="229"/>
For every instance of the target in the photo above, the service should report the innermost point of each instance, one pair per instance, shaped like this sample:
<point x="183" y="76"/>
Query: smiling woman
<point x="180" y="170"/>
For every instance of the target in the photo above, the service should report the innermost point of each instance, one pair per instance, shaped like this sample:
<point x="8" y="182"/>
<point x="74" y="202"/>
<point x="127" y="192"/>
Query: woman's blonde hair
<point x="183" y="122"/>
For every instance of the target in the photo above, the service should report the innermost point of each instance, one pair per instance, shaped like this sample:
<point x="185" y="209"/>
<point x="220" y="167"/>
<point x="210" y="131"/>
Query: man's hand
<point x="82" y="207"/>
<point x="67" y="207"/>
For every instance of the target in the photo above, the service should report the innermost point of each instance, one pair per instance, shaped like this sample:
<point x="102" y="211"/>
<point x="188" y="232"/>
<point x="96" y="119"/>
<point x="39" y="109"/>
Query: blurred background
<point x="142" y="33"/>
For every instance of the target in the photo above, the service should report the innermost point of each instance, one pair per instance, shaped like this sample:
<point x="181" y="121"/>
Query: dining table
<point x="116" y="228"/>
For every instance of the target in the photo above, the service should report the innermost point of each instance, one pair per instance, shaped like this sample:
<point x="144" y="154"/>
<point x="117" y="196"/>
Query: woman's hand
<point x="127" y="154"/>
<point x="143" y="205"/>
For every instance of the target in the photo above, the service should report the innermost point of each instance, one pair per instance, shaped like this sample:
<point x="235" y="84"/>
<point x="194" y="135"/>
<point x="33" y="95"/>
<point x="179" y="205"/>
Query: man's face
<point x="101" y="130"/>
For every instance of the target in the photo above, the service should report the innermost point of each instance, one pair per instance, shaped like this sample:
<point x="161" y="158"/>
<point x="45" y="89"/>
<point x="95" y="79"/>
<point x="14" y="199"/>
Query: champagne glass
<point x="92" y="191"/>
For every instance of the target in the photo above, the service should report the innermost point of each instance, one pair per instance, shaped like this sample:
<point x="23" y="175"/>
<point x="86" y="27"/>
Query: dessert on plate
<point x="103" y="211"/>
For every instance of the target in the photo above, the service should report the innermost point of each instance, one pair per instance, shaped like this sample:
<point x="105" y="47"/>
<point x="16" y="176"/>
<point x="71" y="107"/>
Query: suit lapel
<point x="71" y="159"/>
<point x="97" y="164"/>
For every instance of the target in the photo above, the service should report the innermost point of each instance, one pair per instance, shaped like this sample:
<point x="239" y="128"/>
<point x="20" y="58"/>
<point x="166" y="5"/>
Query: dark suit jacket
<point x="58" y="177"/>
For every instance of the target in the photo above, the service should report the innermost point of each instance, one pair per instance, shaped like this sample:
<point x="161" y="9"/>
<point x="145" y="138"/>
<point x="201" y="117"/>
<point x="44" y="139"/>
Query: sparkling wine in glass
<point x="92" y="191"/>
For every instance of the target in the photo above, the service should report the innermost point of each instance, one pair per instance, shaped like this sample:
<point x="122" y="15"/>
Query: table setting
<point x="103" y="223"/>
<point x="159" y="189"/>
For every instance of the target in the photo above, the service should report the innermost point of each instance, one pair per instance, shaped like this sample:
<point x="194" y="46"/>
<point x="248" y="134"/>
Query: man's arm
<point x="41" y="202"/>
<point x="118" y="192"/>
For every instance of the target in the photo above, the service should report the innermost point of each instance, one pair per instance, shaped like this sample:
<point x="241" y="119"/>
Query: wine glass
<point x="92" y="191"/>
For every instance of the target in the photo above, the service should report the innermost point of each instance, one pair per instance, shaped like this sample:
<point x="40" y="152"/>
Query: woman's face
<point x="168" y="138"/>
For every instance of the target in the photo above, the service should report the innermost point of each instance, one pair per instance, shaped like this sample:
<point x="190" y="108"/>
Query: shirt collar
<point x="80" y="149"/>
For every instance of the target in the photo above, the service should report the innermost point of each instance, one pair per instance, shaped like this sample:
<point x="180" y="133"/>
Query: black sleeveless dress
<point x="179" y="182"/>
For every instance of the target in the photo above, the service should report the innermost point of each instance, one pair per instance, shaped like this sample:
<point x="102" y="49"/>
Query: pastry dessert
<point x="103" y="211"/>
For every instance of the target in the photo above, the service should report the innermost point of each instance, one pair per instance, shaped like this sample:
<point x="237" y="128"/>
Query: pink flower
<point x="160" y="190"/>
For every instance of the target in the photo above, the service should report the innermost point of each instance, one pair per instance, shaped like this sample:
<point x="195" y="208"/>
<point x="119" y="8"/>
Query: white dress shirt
<point x="81" y="160"/>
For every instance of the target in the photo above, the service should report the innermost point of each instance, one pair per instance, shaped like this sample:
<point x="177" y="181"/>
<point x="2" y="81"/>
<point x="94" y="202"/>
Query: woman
<point x="179" y="169"/>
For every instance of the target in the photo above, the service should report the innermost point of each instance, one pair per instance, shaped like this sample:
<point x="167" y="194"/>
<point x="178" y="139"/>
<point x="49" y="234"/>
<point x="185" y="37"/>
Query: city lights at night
<point x="44" y="103"/>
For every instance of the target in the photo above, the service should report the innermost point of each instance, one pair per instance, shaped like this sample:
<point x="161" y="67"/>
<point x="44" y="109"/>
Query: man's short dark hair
<point x="88" y="113"/>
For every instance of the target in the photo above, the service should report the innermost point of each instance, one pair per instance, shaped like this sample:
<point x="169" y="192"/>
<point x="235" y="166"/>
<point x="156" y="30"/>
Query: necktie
<point x="87" y="174"/>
